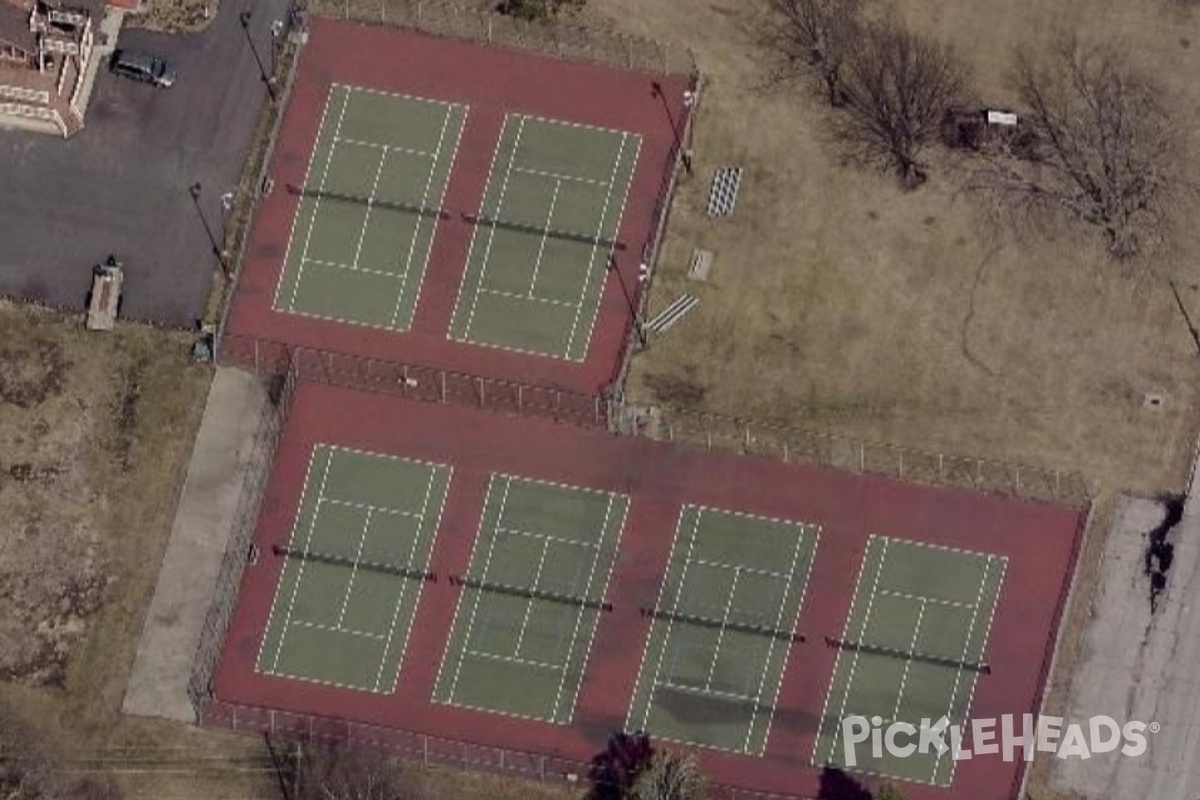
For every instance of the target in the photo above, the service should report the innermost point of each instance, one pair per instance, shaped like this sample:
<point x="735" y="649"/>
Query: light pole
<point x="196" y="190"/>
<point x="633" y="315"/>
<point x="245" y="18"/>
<point x="276" y="33"/>
<point x="689" y="97"/>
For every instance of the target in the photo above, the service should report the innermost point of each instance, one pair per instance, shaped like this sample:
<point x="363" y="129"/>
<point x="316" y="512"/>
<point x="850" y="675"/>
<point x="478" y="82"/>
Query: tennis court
<point x="354" y="568"/>
<point x="544" y="235"/>
<point x="362" y="234"/>
<point x="722" y="629"/>
<point x="913" y="648"/>
<point x="531" y="599"/>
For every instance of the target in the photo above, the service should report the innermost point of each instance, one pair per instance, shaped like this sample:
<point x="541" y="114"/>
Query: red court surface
<point x="1040" y="541"/>
<point x="493" y="83"/>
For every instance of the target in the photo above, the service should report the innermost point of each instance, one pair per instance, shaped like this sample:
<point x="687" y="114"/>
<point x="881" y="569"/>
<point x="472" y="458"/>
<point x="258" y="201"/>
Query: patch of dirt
<point x="31" y="375"/>
<point x="176" y="16"/>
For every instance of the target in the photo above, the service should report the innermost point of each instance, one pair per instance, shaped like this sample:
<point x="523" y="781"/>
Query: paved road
<point x="1142" y="666"/>
<point x="121" y="186"/>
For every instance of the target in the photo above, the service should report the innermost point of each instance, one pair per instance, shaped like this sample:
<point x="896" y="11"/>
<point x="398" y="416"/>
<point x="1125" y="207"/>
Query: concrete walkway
<point x="203" y="522"/>
<point x="1142" y="666"/>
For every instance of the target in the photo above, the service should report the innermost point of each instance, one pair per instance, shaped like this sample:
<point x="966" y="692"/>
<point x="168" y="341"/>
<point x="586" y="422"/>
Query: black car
<point x="142" y="67"/>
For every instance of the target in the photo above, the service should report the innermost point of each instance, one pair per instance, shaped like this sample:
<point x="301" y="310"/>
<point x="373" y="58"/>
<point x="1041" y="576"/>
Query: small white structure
<point x="106" y="295"/>
<point x="1006" y="118"/>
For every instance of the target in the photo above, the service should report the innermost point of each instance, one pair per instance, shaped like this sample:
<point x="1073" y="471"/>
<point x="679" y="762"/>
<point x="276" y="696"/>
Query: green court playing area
<point x="722" y="630"/>
<point x="362" y="235"/>
<point x="531" y="599"/>
<point x="544" y="235"/>
<point x="353" y="569"/>
<point x="912" y="649"/>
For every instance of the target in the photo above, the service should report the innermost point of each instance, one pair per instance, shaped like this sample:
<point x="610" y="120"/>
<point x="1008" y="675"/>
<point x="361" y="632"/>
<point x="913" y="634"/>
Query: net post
<point x="442" y="377"/>
<point x="424" y="737"/>
<point x="482" y="395"/>
<point x="520" y="399"/>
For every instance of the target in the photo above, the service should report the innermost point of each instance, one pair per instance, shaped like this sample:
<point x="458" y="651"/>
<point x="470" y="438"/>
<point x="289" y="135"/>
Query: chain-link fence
<point x="412" y="381"/>
<point x="245" y="520"/>
<point x="550" y="37"/>
<point x="794" y="445"/>
<point x="427" y="750"/>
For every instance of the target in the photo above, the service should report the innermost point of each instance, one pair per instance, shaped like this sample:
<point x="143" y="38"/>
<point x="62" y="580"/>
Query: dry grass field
<point x="95" y="434"/>
<point x="840" y="303"/>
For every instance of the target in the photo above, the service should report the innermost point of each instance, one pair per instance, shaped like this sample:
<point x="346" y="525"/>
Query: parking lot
<point x="121" y="186"/>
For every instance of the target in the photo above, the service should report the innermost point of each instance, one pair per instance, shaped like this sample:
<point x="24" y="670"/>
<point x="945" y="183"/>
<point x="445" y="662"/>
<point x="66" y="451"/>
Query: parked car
<point x="142" y="67"/>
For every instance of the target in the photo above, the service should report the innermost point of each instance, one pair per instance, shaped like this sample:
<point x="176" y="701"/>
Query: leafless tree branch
<point x="1100" y="147"/>
<point x="898" y="84"/>
<point x="815" y="36"/>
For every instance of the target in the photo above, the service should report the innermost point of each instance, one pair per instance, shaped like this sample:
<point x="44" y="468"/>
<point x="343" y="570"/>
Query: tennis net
<point x="467" y="218"/>
<point x="530" y="593"/>
<point x="924" y="658"/>
<point x="354" y="563"/>
<point x="729" y="623"/>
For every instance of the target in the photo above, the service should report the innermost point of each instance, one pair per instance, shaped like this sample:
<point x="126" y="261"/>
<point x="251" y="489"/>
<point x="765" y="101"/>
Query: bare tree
<point x="669" y="776"/>
<point x="1100" y="146"/>
<point x="898" y="84"/>
<point x="338" y="772"/>
<point x="818" y="34"/>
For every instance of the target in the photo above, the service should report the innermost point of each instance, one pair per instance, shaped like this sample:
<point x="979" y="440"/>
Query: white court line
<point x="861" y="633"/>
<point x="312" y="524"/>
<point x="537" y="265"/>
<point x="766" y="573"/>
<point x="935" y="600"/>
<point x="558" y="176"/>
<point x="987" y="568"/>
<point x="337" y="629"/>
<point x="515" y="296"/>
<point x="487" y="252"/>
<point x="437" y="523"/>
<point x="362" y="231"/>
<point x="987" y="633"/>
<point x="292" y="228"/>
<point x="662" y="653"/>
<point x="548" y="537"/>
<point x="912" y="648"/>
<point x="412" y="243"/>
<point x="524" y="662"/>
<point x="312" y="221"/>
<point x="486" y="567"/>
<point x="742" y="698"/>
<point x="262" y="643"/>
<point x="395" y="512"/>
<point x="579" y="613"/>
<point x="599" y="232"/>
<point x="362" y="541"/>
<point x="387" y="148"/>
<point x="462" y="126"/>
<point x="712" y="665"/>
<point x="537" y="580"/>
<point x="350" y="267"/>
<point x="787" y="590"/>
<point x="642" y="664"/>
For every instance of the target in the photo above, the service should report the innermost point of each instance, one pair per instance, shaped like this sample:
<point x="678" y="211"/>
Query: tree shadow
<point x="614" y="769"/>
<point x="837" y="785"/>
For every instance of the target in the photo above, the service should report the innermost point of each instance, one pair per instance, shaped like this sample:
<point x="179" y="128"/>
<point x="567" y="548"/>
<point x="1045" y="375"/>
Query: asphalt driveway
<point x="121" y="186"/>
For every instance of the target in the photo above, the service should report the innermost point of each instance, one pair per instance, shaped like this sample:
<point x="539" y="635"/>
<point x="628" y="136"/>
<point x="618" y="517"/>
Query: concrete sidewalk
<point x="203" y="523"/>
